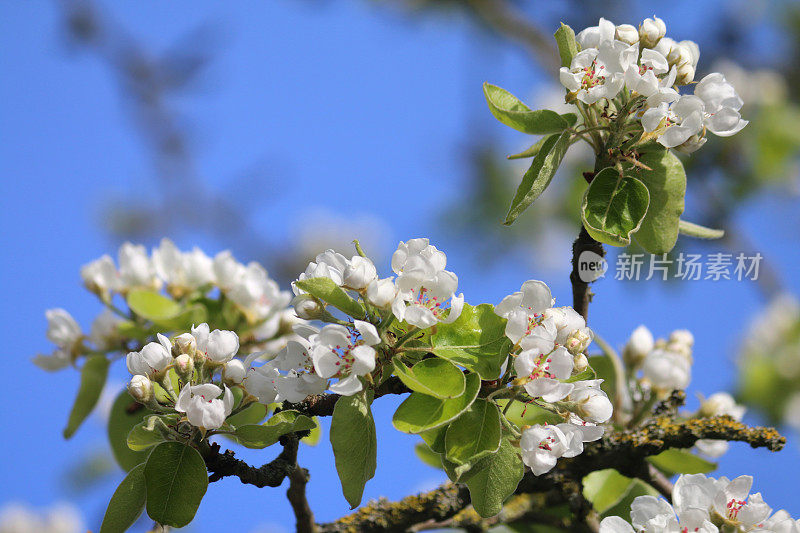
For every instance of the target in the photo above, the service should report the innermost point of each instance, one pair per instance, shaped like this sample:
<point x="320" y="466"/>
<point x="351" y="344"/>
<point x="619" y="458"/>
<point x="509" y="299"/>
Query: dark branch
<point x="296" y="493"/>
<point x="272" y="474"/>
<point x="581" y="294"/>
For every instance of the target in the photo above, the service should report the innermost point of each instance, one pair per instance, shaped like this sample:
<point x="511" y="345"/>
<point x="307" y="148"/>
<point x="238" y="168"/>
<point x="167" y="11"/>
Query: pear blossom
<point x="234" y="371"/>
<point x="639" y="345"/>
<point x="566" y="321"/>
<point x="227" y="270"/>
<point x="62" y="329"/>
<point x="579" y="340"/>
<point x="734" y="503"/>
<point x="52" y="362"/>
<point x="141" y="388"/>
<point x="328" y="264"/>
<point x="594" y="36"/>
<point x="577" y="433"/>
<point x="307" y="307"/>
<point x="345" y="353"/>
<point x="136" y="270"/>
<point x="183" y="270"/>
<point x="203" y="406"/>
<point x="526" y="323"/>
<point x="597" y="73"/>
<point x="222" y="345"/>
<point x="591" y="401"/>
<point x="645" y="77"/>
<point x="104" y="331"/>
<point x="153" y="357"/>
<point x="541" y="446"/>
<point x="58" y="518"/>
<point x="544" y="371"/>
<point x="722" y="105"/>
<point x="381" y="292"/>
<point x="424" y="287"/>
<point x="667" y="370"/>
<point x="185" y="343"/>
<point x="184" y="366"/>
<point x="101" y="277"/>
<point x="651" y="31"/>
<point x="257" y="295"/>
<point x="675" y="123"/>
<point x="359" y="273"/>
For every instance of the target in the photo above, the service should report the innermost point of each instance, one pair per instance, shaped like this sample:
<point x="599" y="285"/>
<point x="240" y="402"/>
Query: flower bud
<point x="580" y="363"/>
<point x="592" y="404"/>
<point x="184" y="366"/>
<point x="307" y="307"/>
<point x="639" y="345"/>
<point x="685" y="74"/>
<point x="693" y="50"/>
<point x="692" y="144"/>
<point x="682" y="336"/>
<point x="627" y="33"/>
<point x="358" y="273"/>
<point x="721" y="403"/>
<point x="665" y="46"/>
<point x="185" y="343"/>
<point x="651" y="30"/>
<point x="381" y="292"/>
<point x="141" y="388"/>
<point x="578" y="340"/>
<point x="234" y="371"/>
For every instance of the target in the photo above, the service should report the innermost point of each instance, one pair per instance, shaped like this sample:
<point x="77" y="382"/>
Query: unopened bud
<point x="141" y="388"/>
<point x="682" y="336"/>
<point x="234" y="371"/>
<point x="651" y="30"/>
<point x="639" y="345"/>
<point x="359" y="273"/>
<point x="184" y="366"/>
<point x="627" y="33"/>
<point x="685" y="74"/>
<point x="381" y="292"/>
<point x="185" y="343"/>
<point x="580" y="363"/>
<point x="578" y="340"/>
<point x="307" y="307"/>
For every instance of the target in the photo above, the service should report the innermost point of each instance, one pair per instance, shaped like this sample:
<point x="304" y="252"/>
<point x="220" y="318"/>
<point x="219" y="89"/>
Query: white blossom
<point x="627" y="33"/>
<point x="651" y="31"/>
<point x="645" y="77"/>
<point x="234" y="371"/>
<point x="339" y="352"/>
<point x="104" y="331"/>
<point x="592" y="402"/>
<point x="153" y="357"/>
<point x="136" y="270"/>
<point x="381" y="292"/>
<point x="328" y="264"/>
<point x="722" y="105"/>
<point x="597" y="73"/>
<point x="639" y="345"/>
<point x="257" y="295"/>
<point x="222" y="345"/>
<point x="100" y="276"/>
<point x="141" y="388"/>
<point x="675" y="123"/>
<point x="544" y="371"/>
<point x="667" y="370"/>
<point x="359" y="273"/>
<point x="594" y="36"/>
<point x="62" y="329"/>
<point x="541" y="446"/>
<point x="203" y="406"/>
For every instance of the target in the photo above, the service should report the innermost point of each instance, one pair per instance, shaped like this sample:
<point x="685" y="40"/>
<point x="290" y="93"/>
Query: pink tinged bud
<point x="184" y="365"/>
<point x="141" y="388"/>
<point x="185" y="343"/>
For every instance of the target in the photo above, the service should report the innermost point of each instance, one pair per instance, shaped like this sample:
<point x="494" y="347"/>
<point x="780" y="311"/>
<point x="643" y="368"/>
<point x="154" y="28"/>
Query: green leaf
<point x="539" y="175"/>
<point x="153" y="430"/>
<point x="510" y="111"/>
<point x="567" y="47"/>
<point x="328" y="291"/>
<point x="666" y="183"/>
<point x="435" y="377"/>
<point x="152" y="305"/>
<point x="434" y="438"/>
<point x="534" y="149"/>
<point x="315" y="434"/>
<point x="125" y="414"/>
<point x="252" y="414"/>
<point x="93" y="378"/>
<point x="493" y="479"/>
<point x="428" y="456"/>
<point x="420" y="412"/>
<point x="455" y="471"/>
<point x="522" y="414"/>
<point x="476" y="340"/>
<point x="194" y="314"/>
<point x="604" y="370"/>
<point x="127" y="503"/>
<point x="283" y="423"/>
<point x="677" y="461"/>
<point x="699" y="232"/>
<point x="176" y="479"/>
<point x="474" y="434"/>
<point x="622" y="507"/>
<point x="613" y="207"/>
<point x="355" y="445"/>
<point x="604" y="488"/>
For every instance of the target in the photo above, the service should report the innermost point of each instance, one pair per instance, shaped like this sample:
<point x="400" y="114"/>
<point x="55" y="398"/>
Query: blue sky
<point x="352" y="109"/>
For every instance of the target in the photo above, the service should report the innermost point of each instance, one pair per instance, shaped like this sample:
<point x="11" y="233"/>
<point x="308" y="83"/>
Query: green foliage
<point x="434" y="438"/>
<point x="252" y="414"/>
<point x="152" y="305"/>
<point x="125" y="414"/>
<point x="666" y="183"/>
<point x="428" y="456"/>
<point x="611" y="493"/>
<point x="355" y="444"/>
<point x="435" y="377"/>
<point x="328" y="291"/>
<point x="604" y="370"/>
<point x="420" y="412"/>
<point x="176" y="479"/>
<point x="528" y="414"/>
<point x="614" y="206"/>
<point x="567" y="47"/>
<point x="475" y="341"/>
<point x="474" y="434"/>
<point x="509" y="110"/>
<point x="699" y="232"/>
<point x="127" y="503"/>
<point x="93" y="379"/>
<point x="531" y="151"/>
<point x="538" y="176"/>
<point x="153" y="430"/>
<point x="493" y="479"/>
<point x="678" y="461"/>
<point x="267" y="434"/>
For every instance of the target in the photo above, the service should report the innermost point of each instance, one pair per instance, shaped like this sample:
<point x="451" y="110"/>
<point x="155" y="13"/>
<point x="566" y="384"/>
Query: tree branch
<point x="270" y="474"/>
<point x="296" y="493"/>
<point x="581" y="294"/>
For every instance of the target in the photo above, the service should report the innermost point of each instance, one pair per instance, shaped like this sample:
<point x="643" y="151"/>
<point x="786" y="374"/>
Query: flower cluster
<point x="621" y="61"/>
<point x="187" y="277"/>
<point x="547" y="353"/>
<point x="666" y="364"/>
<point x="706" y="505"/>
